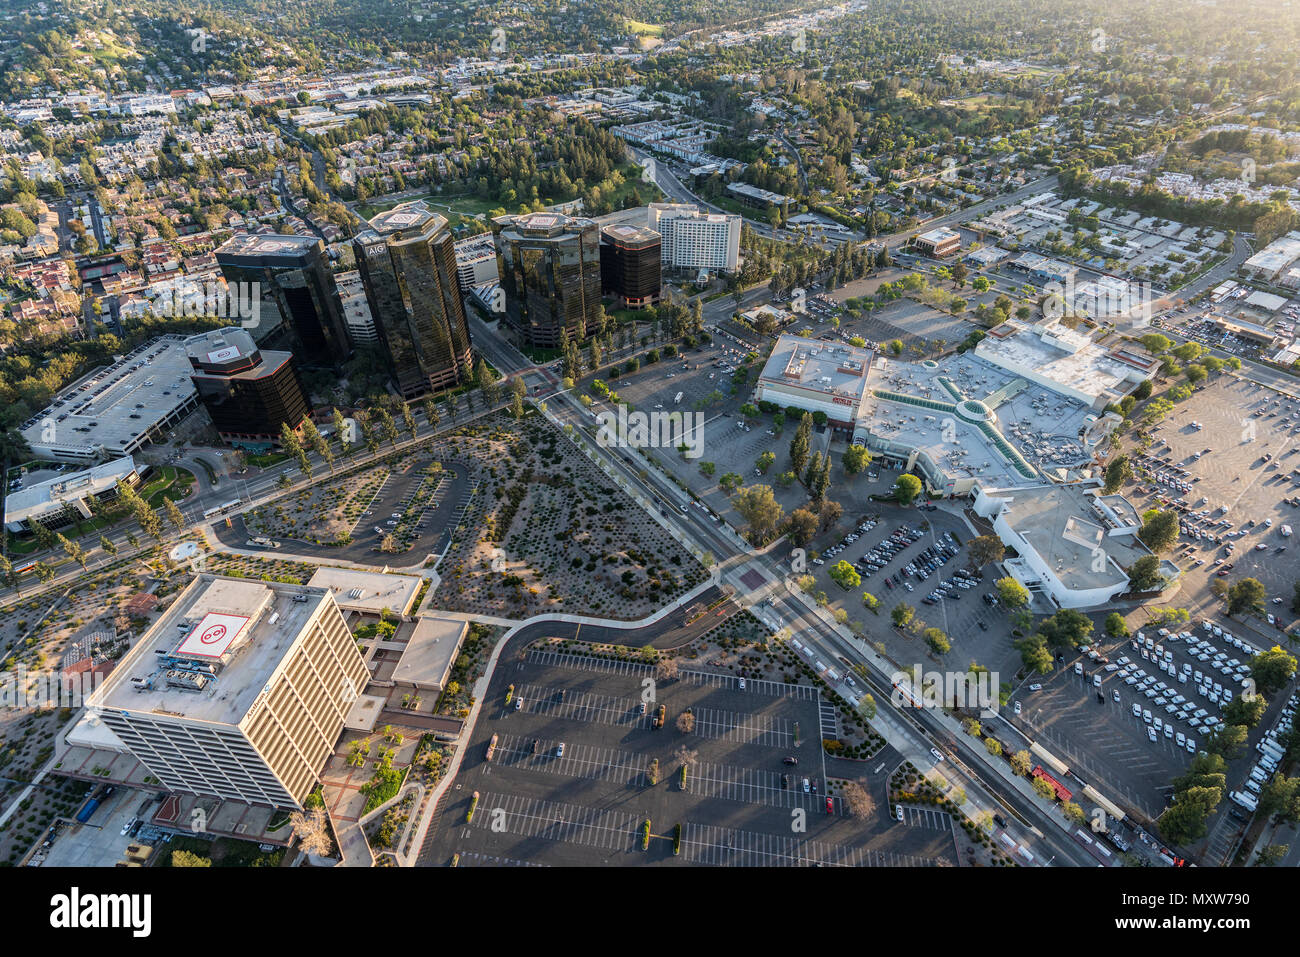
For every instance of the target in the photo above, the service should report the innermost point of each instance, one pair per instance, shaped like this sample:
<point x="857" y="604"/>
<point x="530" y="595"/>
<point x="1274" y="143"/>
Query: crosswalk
<point x="473" y="859"/>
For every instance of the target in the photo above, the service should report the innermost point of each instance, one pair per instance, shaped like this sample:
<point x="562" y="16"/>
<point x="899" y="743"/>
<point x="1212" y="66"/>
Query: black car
<point x="791" y="760"/>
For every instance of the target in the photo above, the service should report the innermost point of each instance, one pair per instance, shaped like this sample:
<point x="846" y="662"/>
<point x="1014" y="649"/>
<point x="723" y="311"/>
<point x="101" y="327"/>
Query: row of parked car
<point x="953" y="588"/>
<point x="876" y="559"/>
<point x="1271" y="753"/>
<point x="846" y="541"/>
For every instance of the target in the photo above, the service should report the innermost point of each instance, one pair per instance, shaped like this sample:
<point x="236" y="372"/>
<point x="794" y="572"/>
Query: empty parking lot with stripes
<point x="578" y="766"/>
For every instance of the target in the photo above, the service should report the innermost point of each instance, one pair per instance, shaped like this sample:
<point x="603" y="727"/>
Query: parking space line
<point x="706" y="678"/>
<point x="550" y="820"/>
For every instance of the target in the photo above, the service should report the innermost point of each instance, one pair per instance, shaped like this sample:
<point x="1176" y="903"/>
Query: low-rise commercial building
<point x="65" y="499"/>
<point x="369" y="593"/>
<point x="1068" y="543"/>
<point x="816" y="376"/>
<point x="430" y="654"/>
<point x="938" y="243"/>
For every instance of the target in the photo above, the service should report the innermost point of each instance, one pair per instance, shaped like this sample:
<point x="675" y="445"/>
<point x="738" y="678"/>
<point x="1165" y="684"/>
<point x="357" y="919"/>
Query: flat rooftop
<point x="829" y="368"/>
<point x="543" y="225"/>
<point x="232" y="633"/>
<point x="416" y="217"/>
<point x="368" y="592"/>
<point x="38" y="499"/>
<point x="429" y="653"/>
<point x="1065" y="526"/>
<point x="627" y="233"/>
<point x="1053" y="352"/>
<point x="116" y="405"/>
<point x="941" y="234"/>
<point x="269" y="248"/>
<point x="974" y="419"/>
<point x="910" y="409"/>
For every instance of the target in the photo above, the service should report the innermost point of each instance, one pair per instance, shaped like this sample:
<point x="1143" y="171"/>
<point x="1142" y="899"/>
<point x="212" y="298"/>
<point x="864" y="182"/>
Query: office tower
<point x="239" y="691"/>
<point x="248" y="392"/>
<point x="693" y="240"/>
<point x="550" y="271"/>
<point x="408" y="265"/>
<point x="294" y="281"/>
<point x="629" y="265"/>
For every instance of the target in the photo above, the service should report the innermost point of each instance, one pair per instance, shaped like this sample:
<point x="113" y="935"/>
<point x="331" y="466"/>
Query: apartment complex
<point x="408" y="265"/>
<point x="249" y="394"/>
<point x="239" y="691"/>
<point x="293" y="278"/>
<point x="692" y="240"/>
<point x="550" y="271"/>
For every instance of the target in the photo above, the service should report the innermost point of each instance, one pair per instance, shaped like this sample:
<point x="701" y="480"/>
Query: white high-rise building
<point x="239" y="691"/>
<point x="696" y="240"/>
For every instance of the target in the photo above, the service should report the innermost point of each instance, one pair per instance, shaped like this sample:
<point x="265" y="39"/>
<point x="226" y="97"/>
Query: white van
<point x="1245" y="800"/>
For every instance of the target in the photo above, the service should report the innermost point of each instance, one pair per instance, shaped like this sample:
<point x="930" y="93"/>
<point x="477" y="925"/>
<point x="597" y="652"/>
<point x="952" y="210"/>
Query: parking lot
<point x="1228" y="460"/>
<point x="424" y="531"/>
<point x="1133" y="713"/>
<point x="944" y="595"/>
<point x="568" y="780"/>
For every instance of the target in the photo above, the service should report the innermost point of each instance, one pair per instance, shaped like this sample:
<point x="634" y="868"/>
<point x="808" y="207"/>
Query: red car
<point x="830" y="806"/>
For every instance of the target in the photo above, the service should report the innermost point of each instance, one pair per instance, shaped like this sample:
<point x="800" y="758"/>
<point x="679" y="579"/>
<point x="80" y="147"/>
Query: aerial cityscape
<point x="629" y="433"/>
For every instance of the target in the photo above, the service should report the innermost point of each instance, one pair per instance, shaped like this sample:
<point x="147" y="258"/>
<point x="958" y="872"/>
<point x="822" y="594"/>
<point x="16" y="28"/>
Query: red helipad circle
<point x="212" y="635"/>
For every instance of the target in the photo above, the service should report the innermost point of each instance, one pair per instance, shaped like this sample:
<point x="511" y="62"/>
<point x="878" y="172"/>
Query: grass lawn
<point x="462" y="206"/>
<point x="172" y="482"/>
<point x="643" y="29"/>
<point x="266" y="459"/>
